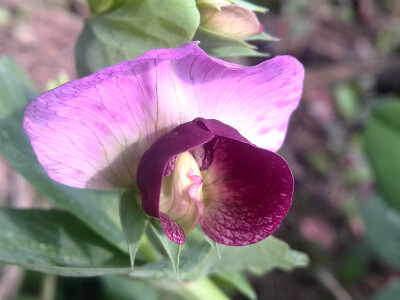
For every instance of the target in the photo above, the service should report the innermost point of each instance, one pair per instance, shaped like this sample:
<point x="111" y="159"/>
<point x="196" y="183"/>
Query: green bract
<point x="132" y="29"/>
<point x="226" y="26"/>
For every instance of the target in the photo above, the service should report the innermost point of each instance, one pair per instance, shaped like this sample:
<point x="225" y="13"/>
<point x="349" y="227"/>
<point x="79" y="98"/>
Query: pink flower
<point x="165" y="121"/>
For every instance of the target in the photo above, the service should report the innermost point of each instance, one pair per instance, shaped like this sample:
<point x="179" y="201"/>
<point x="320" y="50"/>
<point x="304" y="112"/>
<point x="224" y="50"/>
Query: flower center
<point x="181" y="193"/>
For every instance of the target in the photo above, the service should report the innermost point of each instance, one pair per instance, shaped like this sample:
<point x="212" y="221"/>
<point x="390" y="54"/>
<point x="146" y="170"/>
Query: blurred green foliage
<point x="382" y="143"/>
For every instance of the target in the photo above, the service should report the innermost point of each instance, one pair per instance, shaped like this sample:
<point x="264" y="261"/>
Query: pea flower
<point x="196" y="134"/>
<point x="228" y="19"/>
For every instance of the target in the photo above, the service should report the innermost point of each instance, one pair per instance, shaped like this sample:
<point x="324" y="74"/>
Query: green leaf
<point x="382" y="144"/>
<point x="200" y="260"/>
<point x="98" y="209"/>
<point x="382" y="230"/>
<point x="239" y="282"/>
<point x="133" y="220"/>
<point x="15" y="88"/>
<point x="60" y="79"/>
<point x="125" y="288"/>
<point x="261" y="257"/>
<point x="56" y="242"/>
<point x="250" y="5"/>
<point x="172" y="249"/>
<point x="263" y="36"/>
<point x="221" y="46"/>
<point x="243" y="3"/>
<point x="296" y="259"/>
<point x="346" y="99"/>
<point x="390" y="292"/>
<point x="191" y="266"/>
<point x="100" y="6"/>
<point x="213" y="244"/>
<point x="132" y="29"/>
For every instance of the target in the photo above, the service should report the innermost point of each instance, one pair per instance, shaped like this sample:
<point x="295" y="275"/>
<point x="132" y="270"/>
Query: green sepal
<point x="222" y="46"/>
<point x="263" y="36"/>
<point x="133" y="221"/>
<point x="172" y="249"/>
<point x="249" y="5"/>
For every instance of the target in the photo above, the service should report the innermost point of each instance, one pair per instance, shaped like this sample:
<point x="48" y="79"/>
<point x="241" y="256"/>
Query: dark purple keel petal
<point x="222" y="130"/>
<point x="156" y="162"/>
<point x="159" y="159"/>
<point x="247" y="192"/>
<point x="172" y="229"/>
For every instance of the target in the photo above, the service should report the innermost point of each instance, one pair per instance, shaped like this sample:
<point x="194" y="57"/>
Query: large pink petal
<point x="257" y="101"/>
<point x="92" y="132"/>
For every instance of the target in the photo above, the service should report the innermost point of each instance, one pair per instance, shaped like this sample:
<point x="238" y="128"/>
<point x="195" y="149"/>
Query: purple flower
<point x="166" y="122"/>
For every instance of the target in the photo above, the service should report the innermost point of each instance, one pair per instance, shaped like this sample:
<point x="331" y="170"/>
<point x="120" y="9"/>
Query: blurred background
<point x="351" y="52"/>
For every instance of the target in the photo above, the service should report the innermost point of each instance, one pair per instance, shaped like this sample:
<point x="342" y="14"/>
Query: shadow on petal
<point x="122" y="171"/>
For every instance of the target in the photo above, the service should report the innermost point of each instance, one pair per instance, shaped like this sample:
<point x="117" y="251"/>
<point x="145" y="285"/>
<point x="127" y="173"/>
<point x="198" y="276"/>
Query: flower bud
<point x="228" y="19"/>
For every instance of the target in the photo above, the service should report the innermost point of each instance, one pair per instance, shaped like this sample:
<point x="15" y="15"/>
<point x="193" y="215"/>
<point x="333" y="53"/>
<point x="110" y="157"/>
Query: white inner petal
<point x="181" y="193"/>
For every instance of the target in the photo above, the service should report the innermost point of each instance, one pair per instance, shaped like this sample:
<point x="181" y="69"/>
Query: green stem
<point x="193" y="290"/>
<point x="148" y="251"/>
<point x="203" y="289"/>
<point x="49" y="287"/>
